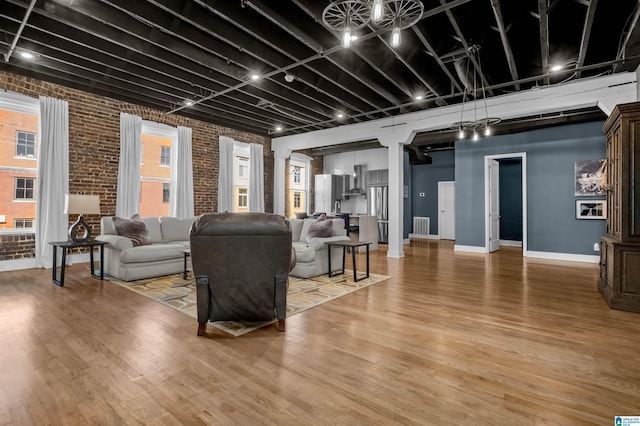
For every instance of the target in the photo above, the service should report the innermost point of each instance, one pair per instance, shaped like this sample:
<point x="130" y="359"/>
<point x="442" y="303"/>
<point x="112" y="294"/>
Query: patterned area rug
<point x="180" y="294"/>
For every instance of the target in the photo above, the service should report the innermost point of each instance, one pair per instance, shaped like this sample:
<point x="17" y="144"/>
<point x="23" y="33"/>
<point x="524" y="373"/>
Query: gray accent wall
<point x="551" y="152"/>
<point x="425" y="178"/>
<point x="510" y="199"/>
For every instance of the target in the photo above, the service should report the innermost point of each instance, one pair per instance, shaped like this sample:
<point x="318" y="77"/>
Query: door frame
<point x="440" y="184"/>
<point x="487" y="219"/>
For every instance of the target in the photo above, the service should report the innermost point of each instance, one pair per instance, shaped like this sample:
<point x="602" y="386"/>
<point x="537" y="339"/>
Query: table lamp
<point x="81" y="204"/>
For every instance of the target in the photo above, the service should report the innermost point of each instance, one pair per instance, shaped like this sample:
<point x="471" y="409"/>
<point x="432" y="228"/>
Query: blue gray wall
<point x="425" y="178"/>
<point x="551" y="152"/>
<point x="510" y="199"/>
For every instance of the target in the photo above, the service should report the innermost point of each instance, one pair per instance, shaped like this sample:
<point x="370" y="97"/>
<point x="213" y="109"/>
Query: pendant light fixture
<point x="477" y="125"/>
<point x="348" y="16"/>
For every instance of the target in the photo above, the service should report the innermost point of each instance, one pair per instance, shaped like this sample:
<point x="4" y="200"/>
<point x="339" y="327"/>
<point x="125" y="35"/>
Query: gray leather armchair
<point x="241" y="263"/>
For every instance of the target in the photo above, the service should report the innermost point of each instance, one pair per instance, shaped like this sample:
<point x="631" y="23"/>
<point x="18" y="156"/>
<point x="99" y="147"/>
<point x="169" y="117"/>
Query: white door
<point x="494" y="205"/>
<point x="447" y="210"/>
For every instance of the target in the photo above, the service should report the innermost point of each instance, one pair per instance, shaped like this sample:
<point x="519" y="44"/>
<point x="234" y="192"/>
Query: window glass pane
<point x="165" y="155"/>
<point x="298" y="189"/>
<point x="24" y="189"/>
<point x="165" y="192"/>
<point x="25" y="144"/>
<point x="154" y="175"/>
<point x="18" y="136"/>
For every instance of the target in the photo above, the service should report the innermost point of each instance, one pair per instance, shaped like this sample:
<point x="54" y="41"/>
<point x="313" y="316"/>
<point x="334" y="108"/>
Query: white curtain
<point x="225" y="175"/>
<point x="53" y="177"/>
<point x="181" y="194"/>
<point x="256" y="178"/>
<point x="128" y="191"/>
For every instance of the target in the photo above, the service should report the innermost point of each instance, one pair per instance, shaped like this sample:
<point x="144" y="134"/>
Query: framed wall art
<point x="590" y="177"/>
<point x="591" y="209"/>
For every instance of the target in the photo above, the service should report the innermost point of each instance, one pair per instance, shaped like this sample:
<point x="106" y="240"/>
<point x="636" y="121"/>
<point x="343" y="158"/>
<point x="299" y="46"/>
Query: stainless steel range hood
<point x="356" y="183"/>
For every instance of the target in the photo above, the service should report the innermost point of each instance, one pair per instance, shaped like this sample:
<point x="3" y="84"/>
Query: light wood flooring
<point x="451" y="338"/>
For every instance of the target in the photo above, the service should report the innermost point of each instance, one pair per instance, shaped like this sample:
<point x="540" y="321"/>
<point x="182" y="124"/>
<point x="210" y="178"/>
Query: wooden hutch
<point x="620" y="248"/>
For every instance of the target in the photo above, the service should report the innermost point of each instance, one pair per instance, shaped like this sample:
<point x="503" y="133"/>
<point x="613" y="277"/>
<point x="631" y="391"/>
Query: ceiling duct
<point x="416" y="156"/>
<point x="356" y="182"/>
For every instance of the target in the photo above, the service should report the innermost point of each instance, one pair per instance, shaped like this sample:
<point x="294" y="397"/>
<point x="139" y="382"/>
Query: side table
<point x="65" y="246"/>
<point x="187" y="253"/>
<point x="352" y="245"/>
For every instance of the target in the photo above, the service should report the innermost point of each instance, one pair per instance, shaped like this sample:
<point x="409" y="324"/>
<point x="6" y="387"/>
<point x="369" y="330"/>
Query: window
<point x="298" y="184"/>
<point x="25" y="144"/>
<point x="18" y="163"/>
<point x="243" y="167"/>
<point x="243" y="197"/>
<point x="155" y="168"/>
<point x="24" y="189"/>
<point x="23" y="223"/>
<point x="165" y="192"/>
<point x="165" y="155"/>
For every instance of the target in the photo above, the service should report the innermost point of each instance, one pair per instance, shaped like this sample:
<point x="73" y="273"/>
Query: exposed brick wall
<point x="94" y="146"/>
<point x="17" y="246"/>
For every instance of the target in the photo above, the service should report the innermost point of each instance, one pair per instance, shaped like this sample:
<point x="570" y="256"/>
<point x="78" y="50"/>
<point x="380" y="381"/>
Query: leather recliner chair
<point x="241" y="263"/>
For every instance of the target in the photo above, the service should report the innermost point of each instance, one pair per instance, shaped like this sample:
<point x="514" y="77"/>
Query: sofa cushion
<point x="153" y="252"/>
<point x="296" y="228"/>
<point x="153" y="228"/>
<point x="133" y="228"/>
<point x="174" y="229"/>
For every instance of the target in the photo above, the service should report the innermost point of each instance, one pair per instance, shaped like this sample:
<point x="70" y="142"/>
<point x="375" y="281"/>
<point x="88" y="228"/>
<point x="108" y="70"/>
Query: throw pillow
<point x="133" y="228"/>
<point x="321" y="228"/>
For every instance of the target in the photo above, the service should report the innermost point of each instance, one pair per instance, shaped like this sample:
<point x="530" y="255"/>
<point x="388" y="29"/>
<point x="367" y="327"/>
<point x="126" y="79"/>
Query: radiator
<point x="421" y="226"/>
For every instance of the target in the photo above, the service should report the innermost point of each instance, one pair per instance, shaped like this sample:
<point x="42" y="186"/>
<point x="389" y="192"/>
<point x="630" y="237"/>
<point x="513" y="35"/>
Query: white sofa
<point x="311" y="255"/>
<point x="164" y="256"/>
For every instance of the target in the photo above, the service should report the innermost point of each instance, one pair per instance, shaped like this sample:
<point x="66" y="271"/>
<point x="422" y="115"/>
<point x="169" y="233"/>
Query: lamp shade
<point x="81" y="204"/>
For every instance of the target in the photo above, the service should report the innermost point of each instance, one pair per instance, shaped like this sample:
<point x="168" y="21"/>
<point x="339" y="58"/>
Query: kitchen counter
<point x="368" y="232"/>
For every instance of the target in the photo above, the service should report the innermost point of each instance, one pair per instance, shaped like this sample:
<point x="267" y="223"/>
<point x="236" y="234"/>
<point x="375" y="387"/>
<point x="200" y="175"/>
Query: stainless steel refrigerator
<point x="378" y="201"/>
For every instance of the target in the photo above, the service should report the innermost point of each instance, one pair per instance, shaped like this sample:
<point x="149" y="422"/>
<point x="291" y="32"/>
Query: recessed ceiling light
<point x="556" y="67"/>
<point x="26" y="55"/>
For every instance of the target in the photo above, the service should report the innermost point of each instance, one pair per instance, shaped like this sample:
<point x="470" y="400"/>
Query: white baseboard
<point x="17" y="264"/>
<point x="424" y="237"/>
<point x="30" y="262"/>
<point x="563" y="256"/>
<point x="396" y="254"/>
<point x="407" y="240"/>
<point x="470" y="249"/>
<point x="511" y="243"/>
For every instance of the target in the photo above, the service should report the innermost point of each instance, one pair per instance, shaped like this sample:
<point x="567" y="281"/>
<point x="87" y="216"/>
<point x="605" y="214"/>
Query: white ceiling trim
<point x="604" y="92"/>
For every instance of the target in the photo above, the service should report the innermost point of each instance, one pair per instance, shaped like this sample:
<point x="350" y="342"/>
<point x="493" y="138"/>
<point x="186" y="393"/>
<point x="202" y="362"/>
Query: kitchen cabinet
<point x="378" y="177"/>
<point x="620" y="248"/>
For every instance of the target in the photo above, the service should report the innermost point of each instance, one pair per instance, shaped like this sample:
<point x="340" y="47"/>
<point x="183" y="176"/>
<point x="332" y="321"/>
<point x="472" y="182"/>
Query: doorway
<point x="492" y="200"/>
<point x="447" y="210"/>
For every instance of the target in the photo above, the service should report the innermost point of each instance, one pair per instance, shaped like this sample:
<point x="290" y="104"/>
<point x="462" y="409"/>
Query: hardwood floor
<point x="451" y="338"/>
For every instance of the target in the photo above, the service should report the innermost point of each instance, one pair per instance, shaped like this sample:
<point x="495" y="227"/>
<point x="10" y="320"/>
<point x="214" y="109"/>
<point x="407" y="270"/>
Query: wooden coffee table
<point x="353" y="246"/>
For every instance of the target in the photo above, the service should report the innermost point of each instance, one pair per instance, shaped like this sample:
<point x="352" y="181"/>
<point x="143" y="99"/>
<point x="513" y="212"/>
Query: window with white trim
<point x="25" y="144"/>
<point x="18" y="164"/>
<point x="155" y="168"/>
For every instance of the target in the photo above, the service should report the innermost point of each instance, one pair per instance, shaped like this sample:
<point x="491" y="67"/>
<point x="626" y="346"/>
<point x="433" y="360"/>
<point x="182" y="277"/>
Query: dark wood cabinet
<point x="620" y="248"/>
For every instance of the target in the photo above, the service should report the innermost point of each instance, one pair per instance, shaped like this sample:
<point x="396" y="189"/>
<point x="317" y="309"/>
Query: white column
<point x="279" y="175"/>
<point x="395" y="143"/>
